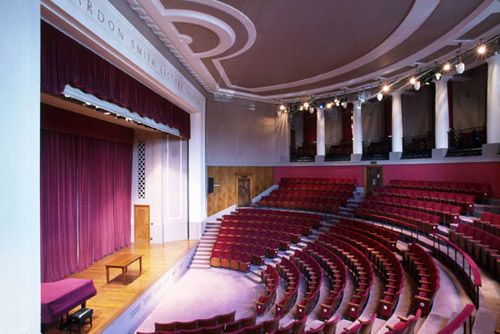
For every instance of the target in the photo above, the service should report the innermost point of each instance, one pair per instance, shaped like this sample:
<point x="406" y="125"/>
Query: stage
<point x="114" y="298"/>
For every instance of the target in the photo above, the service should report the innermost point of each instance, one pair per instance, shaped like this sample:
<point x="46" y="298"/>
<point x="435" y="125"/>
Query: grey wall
<point x="241" y="133"/>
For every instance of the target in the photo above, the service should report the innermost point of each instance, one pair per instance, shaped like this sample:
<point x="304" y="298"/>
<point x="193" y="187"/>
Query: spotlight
<point x="380" y="96"/>
<point x="460" y="67"/>
<point x="413" y="80"/>
<point x="481" y="49"/>
<point x="107" y="113"/>
<point x="417" y="85"/>
<point x="329" y="105"/>
<point x="282" y="107"/>
<point x="321" y="106"/>
<point x="337" y="102"/>
<point x="311" y="110"/>
<point x="446" y="67"/>
<point x="344" y="104"/>
<point x="386" y="88"/>
<point x="438" y="76"/>
<point x="306" y="105"/>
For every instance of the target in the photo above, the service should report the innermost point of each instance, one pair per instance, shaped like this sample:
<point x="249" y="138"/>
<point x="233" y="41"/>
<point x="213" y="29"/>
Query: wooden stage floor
<point x="114" y="297"/>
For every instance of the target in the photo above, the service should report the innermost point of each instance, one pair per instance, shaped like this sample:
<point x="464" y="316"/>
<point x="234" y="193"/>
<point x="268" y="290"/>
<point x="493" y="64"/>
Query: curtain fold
<point x="66" y="62"/>
<point x="86" y="189"/>
<point x="58" y="210"/>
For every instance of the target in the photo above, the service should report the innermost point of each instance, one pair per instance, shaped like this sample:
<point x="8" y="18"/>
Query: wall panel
<point x="226" y="177"/>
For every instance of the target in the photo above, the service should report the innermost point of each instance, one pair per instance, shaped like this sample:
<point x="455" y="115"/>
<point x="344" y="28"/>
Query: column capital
<point x="495" y="59"/>
<point x="396" y="93"/>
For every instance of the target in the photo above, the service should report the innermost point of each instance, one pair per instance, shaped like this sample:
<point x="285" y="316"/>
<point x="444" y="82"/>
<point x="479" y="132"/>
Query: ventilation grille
<point x="141" y="170"/>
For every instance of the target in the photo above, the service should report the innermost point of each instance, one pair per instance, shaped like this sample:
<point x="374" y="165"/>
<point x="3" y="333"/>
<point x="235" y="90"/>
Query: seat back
<point x="412" y="322"/>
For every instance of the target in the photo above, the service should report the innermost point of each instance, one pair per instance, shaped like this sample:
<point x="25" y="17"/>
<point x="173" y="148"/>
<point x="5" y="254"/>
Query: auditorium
<point x="250" y="166"/>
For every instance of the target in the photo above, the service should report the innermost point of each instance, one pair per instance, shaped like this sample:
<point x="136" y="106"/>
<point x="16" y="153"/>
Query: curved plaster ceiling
<point x="288" y="49"/>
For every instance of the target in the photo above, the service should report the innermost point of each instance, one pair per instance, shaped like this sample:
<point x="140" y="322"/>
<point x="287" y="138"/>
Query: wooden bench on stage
<point x="122" y="261"/>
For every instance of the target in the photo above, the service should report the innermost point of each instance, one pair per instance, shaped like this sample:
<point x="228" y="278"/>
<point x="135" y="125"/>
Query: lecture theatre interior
<point x="250" y="166"/>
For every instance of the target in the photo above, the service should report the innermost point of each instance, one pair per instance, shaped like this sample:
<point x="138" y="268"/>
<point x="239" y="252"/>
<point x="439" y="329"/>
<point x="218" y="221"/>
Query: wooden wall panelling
<point x="227" y="177"/>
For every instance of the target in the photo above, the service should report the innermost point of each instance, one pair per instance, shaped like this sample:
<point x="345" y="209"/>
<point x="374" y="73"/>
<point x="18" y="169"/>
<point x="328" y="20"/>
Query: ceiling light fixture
<point x="460" y="66"/>
<point x="344" y="104"/>
<point x="282" y="107"/>
<point x="417" y="85"/>
<point x="380" y="96"/>
<point x="438" y="75"/>
<point x="446" y="67"/>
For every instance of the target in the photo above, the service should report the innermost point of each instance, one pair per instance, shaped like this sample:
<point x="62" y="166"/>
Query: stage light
<point x="311" y="110"/>
<point x="413" y="80"/>
<point x="460" y="67"/>
<point x="481" y="49"/>
<point x="380" y="96"/>
<point x="321" y="106"/>
<point x="337" y="102"/>
<point x="446" y="67"/>
<point x="344" y="104"/>
<point x="282" y="107"/>
<point x="386" y="88"/>
<point x="438" y="75"/>
<point x="329" y="105"/>
<point x="301" y="108"/>
<point x="417" y="85"/>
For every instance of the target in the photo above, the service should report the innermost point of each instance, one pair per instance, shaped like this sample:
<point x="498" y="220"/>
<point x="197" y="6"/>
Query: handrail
<point x="460" y="319"/>
<point x="476" y="274"/>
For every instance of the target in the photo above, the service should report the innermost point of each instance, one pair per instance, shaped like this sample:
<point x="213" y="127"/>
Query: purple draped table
<point x="59" y="297"/>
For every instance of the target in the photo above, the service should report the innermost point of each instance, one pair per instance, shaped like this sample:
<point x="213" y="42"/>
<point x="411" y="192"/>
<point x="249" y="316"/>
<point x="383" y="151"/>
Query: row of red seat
<point x="465" y="201"/>
<point x="449" y="213"/>
<point x="339" y="194"/>
<point x="211" y="325"/>
<point x="318" y="187"/>
<point x="279" y="232"/>
<point x="480" y="191"/>
<point x="290" y="273"/>
<point x="280" y="213"/>
<point x="359" y="266"/>
<point x="387" y="237"/>
<point x="271" y="280"/>
<point x="482" y="245"/>
<point x="314" y="277"/>
<point x="361" y="326"/>
<point x="412" y="219"/>
<point x="385" y="263"/>
<point x="336" y="272"/>
<point x="304" y="223"/>
<point x="425" y="273"/>
<point x="490" y="222"/>
<point x="317" y="180"/>
<point x="306" y="205"/>
<point x="239" y="254"/>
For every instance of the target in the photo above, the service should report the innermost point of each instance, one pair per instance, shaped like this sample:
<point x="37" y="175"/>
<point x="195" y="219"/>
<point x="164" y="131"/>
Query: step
<point x="201" y="257"/>
<point x="251" y="276"/>
<point x="199" y="266"/>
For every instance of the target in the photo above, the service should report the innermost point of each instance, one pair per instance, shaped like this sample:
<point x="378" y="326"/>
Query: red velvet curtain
<point x="64" y="61"/>
<point x="90" y="180"/>
<point x="58" y="205"/>
<point x="347" y="123"/>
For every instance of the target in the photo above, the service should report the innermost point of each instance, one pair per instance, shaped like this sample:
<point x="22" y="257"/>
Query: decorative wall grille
<point x="141" y="169"/>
